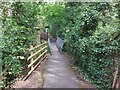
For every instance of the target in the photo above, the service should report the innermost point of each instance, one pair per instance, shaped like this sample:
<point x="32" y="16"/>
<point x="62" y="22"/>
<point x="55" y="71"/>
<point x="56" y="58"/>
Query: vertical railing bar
<point x="31" y="53"/>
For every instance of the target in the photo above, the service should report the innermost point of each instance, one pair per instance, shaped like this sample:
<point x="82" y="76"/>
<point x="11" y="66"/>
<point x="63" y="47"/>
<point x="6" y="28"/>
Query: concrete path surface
<point x="58" y="72"/>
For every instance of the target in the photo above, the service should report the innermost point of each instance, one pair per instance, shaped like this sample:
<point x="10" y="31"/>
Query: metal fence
<point x="59" y="43"/>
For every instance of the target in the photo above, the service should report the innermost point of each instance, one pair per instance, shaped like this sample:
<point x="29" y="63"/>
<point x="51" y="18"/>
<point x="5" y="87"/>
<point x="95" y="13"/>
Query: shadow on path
<point x="58" y="73"/>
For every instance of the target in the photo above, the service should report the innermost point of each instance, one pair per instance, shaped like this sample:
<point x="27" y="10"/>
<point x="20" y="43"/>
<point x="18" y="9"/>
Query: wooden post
<point x="45" y="50"/>
<point x="118" y="83"/>
<point x="31" y="53"/>
<point x="40" y="52"/>
<point x="115" y="78"/>
<point x="44" y="56"/>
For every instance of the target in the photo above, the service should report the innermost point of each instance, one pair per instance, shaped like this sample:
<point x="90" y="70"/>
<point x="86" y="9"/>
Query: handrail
<point x="37" y="46"/>
<point x="39" y="56"/>
<point x="36" y="53"/>
<point x="36" y="59"/>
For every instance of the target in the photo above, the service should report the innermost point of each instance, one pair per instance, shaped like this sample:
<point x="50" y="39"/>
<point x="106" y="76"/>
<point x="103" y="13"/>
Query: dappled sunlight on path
<point x="58" y="73"/>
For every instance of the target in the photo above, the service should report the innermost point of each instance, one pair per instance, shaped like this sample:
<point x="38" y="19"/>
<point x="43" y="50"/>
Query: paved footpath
<point x="58" y="73"/>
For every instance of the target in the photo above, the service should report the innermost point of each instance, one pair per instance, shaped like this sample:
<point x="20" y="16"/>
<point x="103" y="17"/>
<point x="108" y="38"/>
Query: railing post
<point x="44" y="54"/>
<point x="31" y="53"/>
<point x="45" y="49"/>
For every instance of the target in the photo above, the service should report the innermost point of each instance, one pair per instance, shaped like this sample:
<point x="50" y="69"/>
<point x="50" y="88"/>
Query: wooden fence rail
<point x="37" y="56"/>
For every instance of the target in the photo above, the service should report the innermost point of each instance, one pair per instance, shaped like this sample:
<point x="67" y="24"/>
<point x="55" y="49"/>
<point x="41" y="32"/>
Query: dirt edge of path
<point x="79" y="75"/>
<point x="43" y="70"/>
<point x="35" y="80"/>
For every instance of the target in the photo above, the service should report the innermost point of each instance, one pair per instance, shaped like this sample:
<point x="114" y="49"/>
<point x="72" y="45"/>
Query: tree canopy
<point x="91" y="32"/>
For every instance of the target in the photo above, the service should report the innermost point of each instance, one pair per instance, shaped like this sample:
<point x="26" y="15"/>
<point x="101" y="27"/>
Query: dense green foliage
<point x="53" y="15"/>
<point x="18" y="25"/>
<point x="91" y="32"/>
<point x="92" y="36"/>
